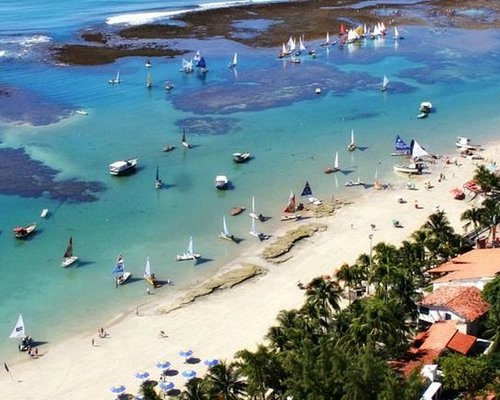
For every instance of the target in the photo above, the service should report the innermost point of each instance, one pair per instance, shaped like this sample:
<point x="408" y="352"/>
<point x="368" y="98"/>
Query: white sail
<point x="417" y="150"/>
<point x="235" y="61"/>
<point x="385" y="82"/>
<point x="190" y="250"/>
<point x="147" y="269"/>
<point x="18" y="331"/>
<point x="225" y="231"/>
<point x="187" y="66"/>
<point x="301" y="45"/>
<point x="396" y="33"/>
<point x="327" y="38"/>
<point x="197" y="56"/>
<point x="336" y="163"/>
<point x="352" y="138"/>
<point x="117" y="79"/>
<point x="291" y="44"/>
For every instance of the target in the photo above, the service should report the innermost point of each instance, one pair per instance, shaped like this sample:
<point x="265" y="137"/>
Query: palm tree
<point x="148" y="391"/>
<point x="346" y="273"/>
<point x="491" y="216"/>
<point x="225" y="383"/>
<point x="195" y="390"/>
<point x="261" y="370"/>
<point x="486" y="179"/>
<point x="322" y="299"/>
<point x="473" y="216"/>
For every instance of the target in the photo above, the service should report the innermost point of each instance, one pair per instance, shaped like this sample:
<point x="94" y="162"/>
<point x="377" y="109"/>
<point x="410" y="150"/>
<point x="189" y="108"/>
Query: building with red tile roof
<point x="474" y="268"/>
<point x="429" y="345"/>
<point x="458" y="303"/>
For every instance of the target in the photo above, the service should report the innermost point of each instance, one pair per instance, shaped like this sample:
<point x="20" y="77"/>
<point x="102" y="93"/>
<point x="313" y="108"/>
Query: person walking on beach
<point x="93" y="342"/>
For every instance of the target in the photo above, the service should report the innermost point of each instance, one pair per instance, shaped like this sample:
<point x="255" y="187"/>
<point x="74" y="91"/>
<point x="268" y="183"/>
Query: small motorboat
<point x="241" y="157"/>
<point x="123" y="167"/>
<point x="237" y="210"/>
<point x="21" y="232"/>
<point x="44" y="213"/>
<point x="82" y="112"/>
<point x="221" y="182"/>
<point x="168" y="147"/>
<point x="426" y="107"/>
<point x="317" y="90"/>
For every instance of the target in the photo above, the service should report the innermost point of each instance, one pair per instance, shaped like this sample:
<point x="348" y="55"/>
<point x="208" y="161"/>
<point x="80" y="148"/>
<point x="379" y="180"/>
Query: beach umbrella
<point x="211" y="362"/>
<point x="163" y="364"/>
<point x="142" y="375"/>
<point x="118" y="389"/>
<point x="166" y="386"/>
<point x="189" y="374"/>
<point x="186" y="354"/>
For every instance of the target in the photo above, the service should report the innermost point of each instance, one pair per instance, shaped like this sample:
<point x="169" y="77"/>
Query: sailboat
<point x="115" y="79"/>
<point x="19" y="331"/>
<point x="225" y="232"/>
<point x="253" y="214"/>
<point x="327" y="40"/>
<point x="385" y="82"/>
<point x="197" y="56"/>
<point x="308" y="192"/>
<point x="302" y="47"/>
<point x="233" y="63"/>
<point x="352" y="145"/>
<point x="187" y="66"/>
<point x="68" y="257"/>
<point x="397" y="36"/>
<point x="259" y="235"/>
<point x="416" y="166"/>
<point x="202" y="65"/>
<point x="121" y="276"/>
<point x="290" y="209"/>
<point x="184" y="140"/>
<point x="189" y="254"/>
<point x="401" y="148"/>
<point x="148" y="63"/>
<point x="150" y="276"/>
<point x="158" y="182"/>
<point x="149" y="81"/>
<point x="329" y="170"/>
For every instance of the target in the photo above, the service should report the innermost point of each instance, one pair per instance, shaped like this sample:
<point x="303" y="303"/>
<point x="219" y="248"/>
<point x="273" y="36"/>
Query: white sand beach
<point x="218" y="325"/>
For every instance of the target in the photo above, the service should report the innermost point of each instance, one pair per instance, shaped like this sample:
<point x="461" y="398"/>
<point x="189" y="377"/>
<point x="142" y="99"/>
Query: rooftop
<point x="475" y="264"/>
<point x="465" y="301"/>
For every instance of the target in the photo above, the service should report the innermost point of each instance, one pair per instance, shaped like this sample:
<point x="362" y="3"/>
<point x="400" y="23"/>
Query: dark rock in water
<point x="208" y="126"/>
<point x="22" y="176"/>
<point x="20" y="106"/>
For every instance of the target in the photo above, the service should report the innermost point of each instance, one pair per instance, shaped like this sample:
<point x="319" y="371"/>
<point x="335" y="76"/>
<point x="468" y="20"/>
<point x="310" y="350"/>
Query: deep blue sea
<point x="265" y="105"/>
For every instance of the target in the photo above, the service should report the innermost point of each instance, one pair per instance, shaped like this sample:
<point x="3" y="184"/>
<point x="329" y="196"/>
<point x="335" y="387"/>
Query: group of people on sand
<point x="102" y="333"/>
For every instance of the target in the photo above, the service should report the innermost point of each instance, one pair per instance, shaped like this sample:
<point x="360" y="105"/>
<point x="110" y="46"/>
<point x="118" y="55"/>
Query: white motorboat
<point x="426" y="107"/>
<point x="68" y="257"/>
<point x="411" y="168"/>
<point x="82" y="112"/>
<point x="123" y="167"/>
<point x="189" y="254"/>
<point x="221" y="182"/>
<point x="44" y="213"/>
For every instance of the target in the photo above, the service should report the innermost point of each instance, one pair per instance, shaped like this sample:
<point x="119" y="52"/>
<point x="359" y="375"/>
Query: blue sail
<point x="119" y="267"/>
<point x="307" y="190"/>
<point x="401" y="146"/>
<point x="201" y="63"/>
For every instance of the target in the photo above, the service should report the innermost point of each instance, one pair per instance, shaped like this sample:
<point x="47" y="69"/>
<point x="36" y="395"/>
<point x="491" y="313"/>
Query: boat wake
<point x="140" y="18"/>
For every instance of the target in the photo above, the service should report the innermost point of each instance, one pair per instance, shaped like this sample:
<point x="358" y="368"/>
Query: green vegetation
<point x="323" y="352"/>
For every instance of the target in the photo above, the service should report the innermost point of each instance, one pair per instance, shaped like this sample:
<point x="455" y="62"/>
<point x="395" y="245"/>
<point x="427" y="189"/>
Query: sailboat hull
<point x="68" y="261"/>
<point x="120" y="280"/>
<point x="186" y="257"/>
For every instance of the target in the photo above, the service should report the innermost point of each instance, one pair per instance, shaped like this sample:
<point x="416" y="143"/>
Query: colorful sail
<point x="120" y="266"/>
<point x="307" y="190"/>
<point x="69" y="249"/>
<point x="290" y="207"/>
<point x="401" y="146"/>
<point x="202" y="64"/>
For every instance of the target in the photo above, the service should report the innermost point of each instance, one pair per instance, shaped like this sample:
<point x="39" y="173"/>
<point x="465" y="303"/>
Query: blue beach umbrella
<point x="186" y="354"/>
<point x="142" y="375"/>
<point x="163" y="364"/>
<point x="211" y="362"/>
<point x="166" y="386"/>
<point x="118" y="389"/>
<point x="189" y="374"/>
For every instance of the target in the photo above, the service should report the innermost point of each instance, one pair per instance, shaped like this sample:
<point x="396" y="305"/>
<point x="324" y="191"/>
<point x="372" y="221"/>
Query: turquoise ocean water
<point x="292" y="140"/>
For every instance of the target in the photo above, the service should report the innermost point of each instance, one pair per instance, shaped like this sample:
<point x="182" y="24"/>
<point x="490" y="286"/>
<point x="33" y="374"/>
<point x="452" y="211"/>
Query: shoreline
<point x="237" y="317"/>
